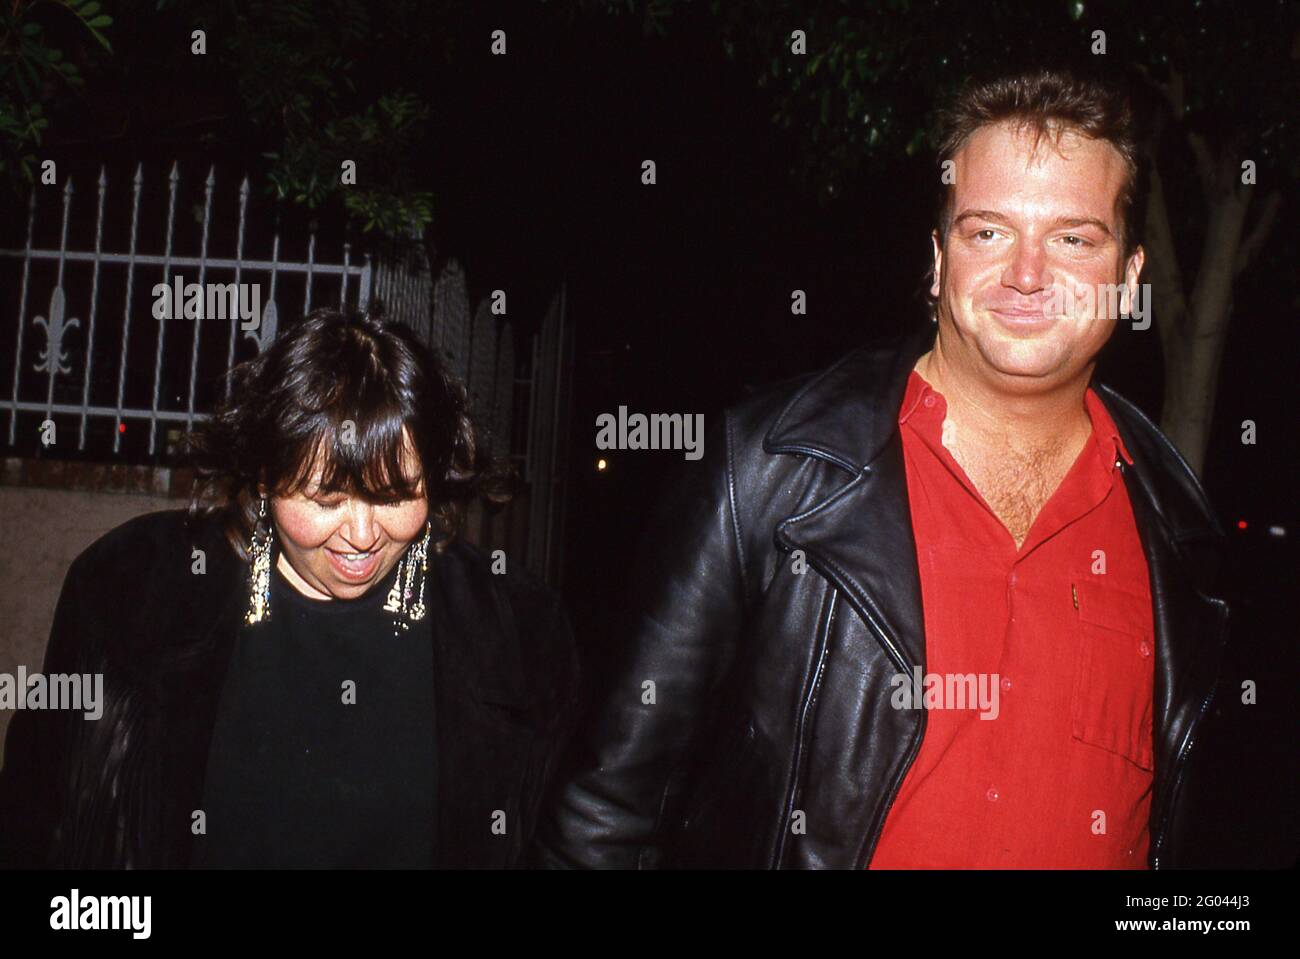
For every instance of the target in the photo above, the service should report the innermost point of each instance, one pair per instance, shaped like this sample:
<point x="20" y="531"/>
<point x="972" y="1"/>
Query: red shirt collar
<point x="1105" y="434"/>
<point x="1104" y="431"/>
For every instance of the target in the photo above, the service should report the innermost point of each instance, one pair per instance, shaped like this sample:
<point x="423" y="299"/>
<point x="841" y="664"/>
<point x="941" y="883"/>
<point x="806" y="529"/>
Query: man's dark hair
<point x="1046" y="103"/>
<point x="291" y="403"/>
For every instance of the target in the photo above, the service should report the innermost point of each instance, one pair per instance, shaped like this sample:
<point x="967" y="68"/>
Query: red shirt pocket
<point x="1112" y="705"/>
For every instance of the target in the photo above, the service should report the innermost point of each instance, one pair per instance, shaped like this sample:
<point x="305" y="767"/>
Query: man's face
<point x="1032" y="251"/>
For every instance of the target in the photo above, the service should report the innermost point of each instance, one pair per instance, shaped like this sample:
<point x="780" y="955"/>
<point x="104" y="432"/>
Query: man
<point x="937" y="606"/>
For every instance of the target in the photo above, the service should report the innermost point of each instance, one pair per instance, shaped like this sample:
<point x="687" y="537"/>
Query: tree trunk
<point x="1193" y="327"/>
<point x="1194" y="349"/>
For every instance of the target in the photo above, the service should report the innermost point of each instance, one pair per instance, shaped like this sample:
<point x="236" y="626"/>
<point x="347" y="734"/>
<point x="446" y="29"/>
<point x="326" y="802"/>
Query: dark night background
<point x="680" y="293"/>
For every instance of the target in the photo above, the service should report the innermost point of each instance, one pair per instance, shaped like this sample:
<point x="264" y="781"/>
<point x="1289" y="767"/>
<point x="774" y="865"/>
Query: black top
<point x="323" y="752"/>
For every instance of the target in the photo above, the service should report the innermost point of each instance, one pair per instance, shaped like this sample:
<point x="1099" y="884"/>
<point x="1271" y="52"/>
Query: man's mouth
<point x="1022" y="318"/>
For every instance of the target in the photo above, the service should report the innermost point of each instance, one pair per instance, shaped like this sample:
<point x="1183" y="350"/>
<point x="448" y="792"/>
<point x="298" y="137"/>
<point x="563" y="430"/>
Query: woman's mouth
<point x="353" y="566"/>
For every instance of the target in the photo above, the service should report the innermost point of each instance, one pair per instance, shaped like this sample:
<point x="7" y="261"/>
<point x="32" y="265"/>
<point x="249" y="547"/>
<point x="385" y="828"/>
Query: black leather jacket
<point x="771" y="689"/>
<point x="119" y="792"/>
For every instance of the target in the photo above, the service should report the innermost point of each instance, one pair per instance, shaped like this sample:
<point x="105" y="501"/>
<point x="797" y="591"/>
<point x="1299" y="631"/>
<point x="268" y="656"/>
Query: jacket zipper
<point x="873" y="835"/>
<point x="1179" y="763"/>
<point x="877" y="825"/>
<point x="804" y="713"/>
<point x="1180" y="766"/>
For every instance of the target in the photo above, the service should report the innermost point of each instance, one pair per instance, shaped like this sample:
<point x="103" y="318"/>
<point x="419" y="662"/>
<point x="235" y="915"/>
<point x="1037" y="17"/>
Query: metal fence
<point x="133" y="368"/>
<point x="354" y="278"/>
<point x="524" y="410"/>
<point x="551" y="404"/>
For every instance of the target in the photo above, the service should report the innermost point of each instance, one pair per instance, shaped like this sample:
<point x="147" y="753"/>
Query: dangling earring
<point x="259" y="593"/>
<point x="410" y="584"/>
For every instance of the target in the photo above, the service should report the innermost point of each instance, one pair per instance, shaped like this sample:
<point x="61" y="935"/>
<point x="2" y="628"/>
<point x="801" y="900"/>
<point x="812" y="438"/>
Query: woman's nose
<point x="360" y="531"/>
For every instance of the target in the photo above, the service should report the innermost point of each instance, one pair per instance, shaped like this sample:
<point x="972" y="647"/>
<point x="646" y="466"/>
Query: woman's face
<point x="335" y="546"/>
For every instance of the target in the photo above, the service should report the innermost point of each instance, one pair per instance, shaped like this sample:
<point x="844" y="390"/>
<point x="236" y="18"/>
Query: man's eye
<point x="985" y="234"/>
<point x="328" y="504"/>
<point x="1075" y="241"/>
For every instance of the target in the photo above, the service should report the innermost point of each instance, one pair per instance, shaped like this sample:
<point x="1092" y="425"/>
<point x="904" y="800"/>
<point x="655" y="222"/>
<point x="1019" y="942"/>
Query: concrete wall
<point x="43" y="530"/>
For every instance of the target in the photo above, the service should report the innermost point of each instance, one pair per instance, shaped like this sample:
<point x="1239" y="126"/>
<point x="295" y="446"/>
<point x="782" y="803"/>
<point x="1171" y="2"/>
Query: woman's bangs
<point x="358" y="457"/>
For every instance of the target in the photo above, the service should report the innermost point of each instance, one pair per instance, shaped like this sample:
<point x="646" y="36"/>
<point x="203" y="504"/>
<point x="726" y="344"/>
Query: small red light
<point x="121" y="427"/>
<point x="1241" y="524"/>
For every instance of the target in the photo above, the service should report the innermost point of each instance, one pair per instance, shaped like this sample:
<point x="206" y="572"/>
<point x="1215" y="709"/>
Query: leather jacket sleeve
<point x="612" y="808"/>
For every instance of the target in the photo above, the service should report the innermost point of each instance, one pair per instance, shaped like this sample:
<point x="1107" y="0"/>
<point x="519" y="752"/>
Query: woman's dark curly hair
<point x="294" y="401"/>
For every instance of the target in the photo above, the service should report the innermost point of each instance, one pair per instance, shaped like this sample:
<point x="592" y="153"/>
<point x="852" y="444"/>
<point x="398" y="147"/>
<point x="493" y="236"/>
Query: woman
<point x="306" y="668"/>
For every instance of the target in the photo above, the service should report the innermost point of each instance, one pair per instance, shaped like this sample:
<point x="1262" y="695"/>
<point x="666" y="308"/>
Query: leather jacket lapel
<point x="860" y="537"/>
<point x="861" y="540"/>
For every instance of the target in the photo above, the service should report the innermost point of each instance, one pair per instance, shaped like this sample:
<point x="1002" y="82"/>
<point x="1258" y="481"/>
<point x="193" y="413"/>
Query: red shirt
<point x="1059" y="636"/>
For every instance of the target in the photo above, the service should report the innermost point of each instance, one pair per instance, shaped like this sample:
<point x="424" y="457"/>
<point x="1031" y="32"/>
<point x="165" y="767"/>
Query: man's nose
<point x="1027" y="272"/>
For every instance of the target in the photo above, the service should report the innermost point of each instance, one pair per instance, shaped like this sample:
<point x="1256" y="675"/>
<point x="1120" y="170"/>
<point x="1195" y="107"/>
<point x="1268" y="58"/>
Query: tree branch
<point x="1204" y="162"/>
<point x="1259" y="233"/>
<point x="1171" y="90"/>
<point x="1162" y="261"/>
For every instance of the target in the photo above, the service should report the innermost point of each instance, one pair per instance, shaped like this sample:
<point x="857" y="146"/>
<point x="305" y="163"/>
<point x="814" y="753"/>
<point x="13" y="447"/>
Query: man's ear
<point x="1132" y="270"/>
<point x="938" y="262"/>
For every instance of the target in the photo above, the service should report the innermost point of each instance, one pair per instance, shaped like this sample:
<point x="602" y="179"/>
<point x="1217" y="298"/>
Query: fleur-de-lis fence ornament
<point x="53" y="357"/>
<point x="264" y="335"/>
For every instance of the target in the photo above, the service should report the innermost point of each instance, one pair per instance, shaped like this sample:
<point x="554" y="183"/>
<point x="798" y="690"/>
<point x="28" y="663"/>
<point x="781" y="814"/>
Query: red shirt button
<point x="992" y="795"/>
<point x="929" y="401"/>
<point x="1006" y="683"/>
<point x="1145" y="649"/>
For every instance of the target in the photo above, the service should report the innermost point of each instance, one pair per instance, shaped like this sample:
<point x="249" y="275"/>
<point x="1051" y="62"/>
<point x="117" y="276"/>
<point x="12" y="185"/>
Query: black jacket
<point x="119" y="792"/>
<point x="771" y="689"/>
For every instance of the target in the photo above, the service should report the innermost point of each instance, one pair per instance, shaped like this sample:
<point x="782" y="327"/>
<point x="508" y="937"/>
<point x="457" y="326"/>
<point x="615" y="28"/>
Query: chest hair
<point x="1016" y="483"/>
